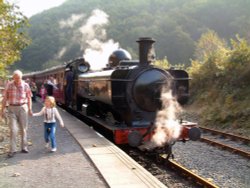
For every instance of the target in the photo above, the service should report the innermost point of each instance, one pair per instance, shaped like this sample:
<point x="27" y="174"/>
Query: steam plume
<point x="92" y="38"/>
<point x="70" y="22"/>
<point x="99" y="48"/>
<point x="167" y="127"/>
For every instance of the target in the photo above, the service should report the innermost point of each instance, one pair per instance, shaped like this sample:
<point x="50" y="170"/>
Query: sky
<point x="32" y="7"/>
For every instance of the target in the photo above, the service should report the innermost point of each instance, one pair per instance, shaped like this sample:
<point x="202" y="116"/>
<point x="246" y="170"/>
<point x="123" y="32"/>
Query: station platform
<point x="84" y="159"/>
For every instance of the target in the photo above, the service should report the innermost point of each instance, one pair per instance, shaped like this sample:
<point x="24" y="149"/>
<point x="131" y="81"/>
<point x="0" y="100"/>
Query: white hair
<point x="18" y="72"/>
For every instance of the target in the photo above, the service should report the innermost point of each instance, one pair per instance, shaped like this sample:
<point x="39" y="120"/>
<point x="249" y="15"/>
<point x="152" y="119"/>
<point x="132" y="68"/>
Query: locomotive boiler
<point x="127" y="94"/>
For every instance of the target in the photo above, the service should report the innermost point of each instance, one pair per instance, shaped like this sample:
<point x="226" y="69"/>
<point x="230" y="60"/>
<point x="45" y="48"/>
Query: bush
<point x="220" y="84"/>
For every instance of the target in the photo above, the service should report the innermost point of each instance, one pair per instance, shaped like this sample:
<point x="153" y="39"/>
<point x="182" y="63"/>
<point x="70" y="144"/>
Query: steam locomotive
<point x="126" y="94"/>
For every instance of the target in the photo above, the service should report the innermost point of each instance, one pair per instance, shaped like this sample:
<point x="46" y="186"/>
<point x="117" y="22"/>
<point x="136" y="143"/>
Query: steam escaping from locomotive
<point x="95" y="55"/>
<point x="91" y="36"/>
<point x="94" y="26"/>
<point x="94" y="35"/>
<point x="168" y="129"/>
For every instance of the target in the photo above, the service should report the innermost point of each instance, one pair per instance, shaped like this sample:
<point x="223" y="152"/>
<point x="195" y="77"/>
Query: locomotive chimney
<point x="146" y="51"/>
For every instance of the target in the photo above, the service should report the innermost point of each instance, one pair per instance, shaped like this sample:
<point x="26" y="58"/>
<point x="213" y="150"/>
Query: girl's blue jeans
<point x="50" y="133"/>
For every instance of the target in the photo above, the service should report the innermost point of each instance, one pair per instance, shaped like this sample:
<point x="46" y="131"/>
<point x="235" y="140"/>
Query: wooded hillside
<point x="63" y="33"/>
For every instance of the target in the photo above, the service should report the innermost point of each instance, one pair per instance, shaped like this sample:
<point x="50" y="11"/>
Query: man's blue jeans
<point x="50" y="133"/>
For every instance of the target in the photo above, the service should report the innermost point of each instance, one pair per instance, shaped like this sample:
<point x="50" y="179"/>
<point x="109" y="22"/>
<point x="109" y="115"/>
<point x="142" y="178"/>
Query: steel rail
<point x="232" y="136"/>
<point x="226" y="147"/>
<point x="189" y="173"/>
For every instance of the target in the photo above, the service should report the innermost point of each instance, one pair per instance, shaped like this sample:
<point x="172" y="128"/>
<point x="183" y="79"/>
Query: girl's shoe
<point x="53" y="149"/>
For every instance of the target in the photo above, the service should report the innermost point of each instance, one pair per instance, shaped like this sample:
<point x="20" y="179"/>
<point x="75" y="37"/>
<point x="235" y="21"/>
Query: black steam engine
<point x="124" y="97"/>
<point x="127" y="94"/>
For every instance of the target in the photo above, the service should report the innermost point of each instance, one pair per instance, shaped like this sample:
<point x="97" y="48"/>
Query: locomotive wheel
<point x="79" y="103"/>
<point x="90" y="110"/>
<point x="162" y="160"/>
<point x="159" y="159"/>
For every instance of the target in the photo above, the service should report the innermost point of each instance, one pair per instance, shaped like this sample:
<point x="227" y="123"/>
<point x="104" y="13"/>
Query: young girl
<point x="50" y="112"/>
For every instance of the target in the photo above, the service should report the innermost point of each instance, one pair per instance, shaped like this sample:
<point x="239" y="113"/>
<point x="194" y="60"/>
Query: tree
<point x="209" y="63"/>
<point x="208" y="45"/>
<point x="13" y="37"/>
<point x="162" y="63"/>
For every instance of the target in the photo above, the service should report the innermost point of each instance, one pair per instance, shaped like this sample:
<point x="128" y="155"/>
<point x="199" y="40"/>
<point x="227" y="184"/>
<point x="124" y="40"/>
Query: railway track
<point x="228" y="135"/>
<point x="233" y="143"/>
<point x="190" y="168"/>
<point x="182" y="174"/>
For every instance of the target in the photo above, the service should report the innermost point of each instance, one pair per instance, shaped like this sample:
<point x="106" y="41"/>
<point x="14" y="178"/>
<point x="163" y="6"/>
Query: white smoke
<point x="70" y="22"/>
<point x="99" y="54"/>
<point x="61" y="52"/>
<point x="168" y="128"/>
<point x="92" y="37"/>
<point x="94" y="25"/>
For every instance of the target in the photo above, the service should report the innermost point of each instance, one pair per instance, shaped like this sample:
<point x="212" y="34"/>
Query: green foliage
<point x="175" y="25"/>
<point x="240" y="54"/>
<point x="12" y="35"/>
<point x="210" y="45"/>
<point x="162" y="63"/>
<point x="220" y="82"/>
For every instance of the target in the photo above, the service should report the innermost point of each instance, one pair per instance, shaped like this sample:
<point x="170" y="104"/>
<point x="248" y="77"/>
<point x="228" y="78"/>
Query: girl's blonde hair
<point x="51" y="100"/>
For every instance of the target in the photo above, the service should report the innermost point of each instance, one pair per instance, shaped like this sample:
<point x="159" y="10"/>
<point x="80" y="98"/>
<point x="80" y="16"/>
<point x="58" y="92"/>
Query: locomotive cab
<point x="73" y="69"/>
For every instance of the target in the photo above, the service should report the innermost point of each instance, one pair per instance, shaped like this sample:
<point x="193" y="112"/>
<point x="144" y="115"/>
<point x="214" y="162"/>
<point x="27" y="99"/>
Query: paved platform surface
<point x="84" y="159"/>
<point x="68" y="167"/>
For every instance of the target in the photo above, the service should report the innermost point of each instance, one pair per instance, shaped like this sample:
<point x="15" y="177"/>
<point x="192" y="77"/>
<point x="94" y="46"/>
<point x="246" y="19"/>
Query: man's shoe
<point x="47" y="145"/>
<point x="24" y="151"/>
<point x="11" y="154"/>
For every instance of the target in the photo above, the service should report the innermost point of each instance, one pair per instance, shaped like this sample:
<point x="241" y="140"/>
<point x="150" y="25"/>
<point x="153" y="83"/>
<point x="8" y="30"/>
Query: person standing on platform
<point x="50" y="113"/>
<point x="43" y="93"/>
<point x="33" y="88"/>
<point x="17" y="95"/>
<point x="50" y="86"/>
<point x="69" y="77"/>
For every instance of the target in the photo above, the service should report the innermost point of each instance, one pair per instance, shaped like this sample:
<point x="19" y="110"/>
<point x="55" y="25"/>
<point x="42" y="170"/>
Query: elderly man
<point x="18" y="96"/>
